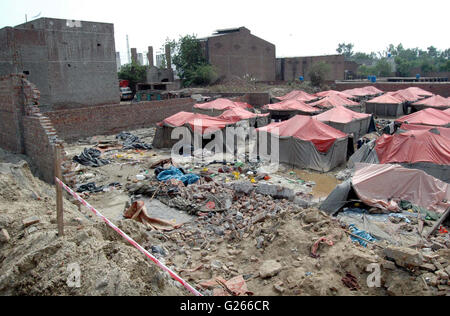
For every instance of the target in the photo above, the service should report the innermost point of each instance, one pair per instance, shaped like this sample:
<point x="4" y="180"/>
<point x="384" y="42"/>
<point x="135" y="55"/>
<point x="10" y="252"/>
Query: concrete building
<point x="236" y="52"/>
<point x="291" y="68"/>
<point x="72" y="63"/>
<point x="118" y="62"/>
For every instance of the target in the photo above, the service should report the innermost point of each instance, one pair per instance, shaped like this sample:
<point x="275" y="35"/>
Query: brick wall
<point x="441" y="88"/>
<point x="10" y="114"/>
<point x="110" y="119"/>
<point x="26" y="131"/>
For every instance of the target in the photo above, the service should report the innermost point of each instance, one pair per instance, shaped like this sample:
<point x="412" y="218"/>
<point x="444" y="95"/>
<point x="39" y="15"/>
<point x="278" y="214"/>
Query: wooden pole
<point x="59" y="194"/>
<point x="438" y="223"/>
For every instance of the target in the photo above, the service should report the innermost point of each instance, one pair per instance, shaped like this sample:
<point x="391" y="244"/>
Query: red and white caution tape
<point x="129" y="239"/>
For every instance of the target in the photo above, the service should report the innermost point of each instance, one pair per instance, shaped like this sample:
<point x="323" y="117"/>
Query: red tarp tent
<point x="362" y="92"/>
<point x="222" y="104"/>
<point x="340" y="114"/>
<point x="412" y="147"/>
<point x="196" y="120"/>
<point x="333" y="92"/>
<point x="308" y="129"/>
<point x="298" y="95"/>
<point x="419" y="91"/>
<point x="237" y="114"/>
<point x="444" y="131"/>
<point x="291" y="105"/>
<point x="435" y="101"/>
<point x="376" y="185"/>
<point x="386" y="99"/>
<point x="332" y="101"/>
<point x="405" y="95"/>
<point x="428" y="116"/>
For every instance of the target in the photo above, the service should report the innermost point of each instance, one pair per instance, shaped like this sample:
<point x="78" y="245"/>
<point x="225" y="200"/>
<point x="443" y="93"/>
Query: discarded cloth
<point x="316" y="245"/>
<point x="175" y="173"/>
<point x="138" y="212"/>
<point x="362" y="234"/>
<point x="89" y="187"/>
<point x="93" y="188"/>
<point x="90" y="157"/>
<point x="131" y="141"/>
<point x="429" y="215"/>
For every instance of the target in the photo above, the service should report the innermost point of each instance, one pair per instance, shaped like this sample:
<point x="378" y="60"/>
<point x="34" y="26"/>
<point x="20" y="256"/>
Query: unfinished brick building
<point x="237" y="53"/>
<point x="72" y="63"/>
<point x="291" y="68"/>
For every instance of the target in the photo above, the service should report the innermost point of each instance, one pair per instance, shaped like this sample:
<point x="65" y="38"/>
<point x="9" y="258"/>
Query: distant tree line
<point x="406" y="60"/>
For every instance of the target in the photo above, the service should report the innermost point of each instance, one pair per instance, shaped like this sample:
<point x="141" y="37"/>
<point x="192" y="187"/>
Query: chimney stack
<point x="134" y="55"/>
<point x="168" y="60"/>
<point x="150" y="56"/>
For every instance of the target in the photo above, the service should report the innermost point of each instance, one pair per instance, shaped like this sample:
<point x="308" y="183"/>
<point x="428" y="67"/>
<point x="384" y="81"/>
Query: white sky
<point x="296" y="27"/>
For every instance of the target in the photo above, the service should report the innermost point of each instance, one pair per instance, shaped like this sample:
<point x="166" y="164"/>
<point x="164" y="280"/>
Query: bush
<point x="318" y="73"/>
<point x="201" y="75"/>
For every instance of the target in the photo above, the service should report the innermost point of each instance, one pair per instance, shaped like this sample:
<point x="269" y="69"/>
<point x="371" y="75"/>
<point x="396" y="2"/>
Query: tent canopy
<point x="415" y="127"/>
<point x="238" y="114"/>
<point x="333" y="92"/>
<point x="405" y="95"/>
<point x="375" y="185"/>
<point x="222" y="104"/>
<point x="298" y="95"/>
<point x="196" y="121"/>
<point x="291" y="105"/>
<point x="413" y="146"/>
<point x="362" y="92"/>
<point x="419" y="91"/>
<point x="332" y="101"/>
<point x="308" y="129"/>
<point x="427" y="116"/>
<point x="435" y="101"/>
<point x="340" y="114"/>
<point x="385" y="99"/>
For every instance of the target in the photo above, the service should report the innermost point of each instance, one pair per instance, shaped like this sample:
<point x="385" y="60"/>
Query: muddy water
<point x="325" y="182"/>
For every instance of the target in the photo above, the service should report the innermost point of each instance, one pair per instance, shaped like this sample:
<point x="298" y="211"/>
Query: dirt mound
<point x="34" y="261"/>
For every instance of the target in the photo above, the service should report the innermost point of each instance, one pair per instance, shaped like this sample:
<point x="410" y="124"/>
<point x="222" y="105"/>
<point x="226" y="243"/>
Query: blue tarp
<point x="360" y="233"/>
<point x="175" y="173"/>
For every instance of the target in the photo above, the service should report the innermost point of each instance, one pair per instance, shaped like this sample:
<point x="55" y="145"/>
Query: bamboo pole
<point x="59" y="194"/>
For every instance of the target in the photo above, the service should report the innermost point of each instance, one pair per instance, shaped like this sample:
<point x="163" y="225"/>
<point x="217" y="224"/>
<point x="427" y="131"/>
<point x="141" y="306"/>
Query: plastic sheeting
<point x="405" y="95"/>
<point x="333" y="101"/>
<point x="444" y="131"/>
<point x="308" y="129"/>
<point x="412" y="147"/>
<point x="435" y="101"/>
<point x="428" y="116"/>
<point x="378" y="185"/>
<point x="239" y="114"/>
<point x="419" y="91"/>
<point x="291" y="105"/>
<point x="175" y="173"/>
<point x="218" y="106"/>
<point x="298" y="95"/>
<point x="333" y="92"/>
<point x="303" y="154"/>
<point x="346" y="121"/>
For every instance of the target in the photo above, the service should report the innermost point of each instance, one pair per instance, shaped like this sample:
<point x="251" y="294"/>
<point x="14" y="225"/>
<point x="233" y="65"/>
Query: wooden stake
<point x="59" y="194"/>
<point x="438" y="223"/>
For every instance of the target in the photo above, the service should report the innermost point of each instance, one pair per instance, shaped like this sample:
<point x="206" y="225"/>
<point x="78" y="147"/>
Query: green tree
<point x="190" y="62"/>
<point x="134" y="73"/>
<point x="345" y="49"/>
<point x="383" y="68"/>
<point x="318" y="73"/>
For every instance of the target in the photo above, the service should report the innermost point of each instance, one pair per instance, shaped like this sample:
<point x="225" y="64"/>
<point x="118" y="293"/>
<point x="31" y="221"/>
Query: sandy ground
<point x="35" y="260"/>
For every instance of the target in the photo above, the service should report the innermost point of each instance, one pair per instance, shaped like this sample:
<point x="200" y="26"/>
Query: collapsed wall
<point x="24" y="130"/>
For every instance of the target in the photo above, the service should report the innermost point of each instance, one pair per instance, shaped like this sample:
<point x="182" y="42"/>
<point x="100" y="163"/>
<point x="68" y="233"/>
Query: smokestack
<point x="169" y="61"/>
<point x="134" y="55"/>
<point x="150" y="56"/>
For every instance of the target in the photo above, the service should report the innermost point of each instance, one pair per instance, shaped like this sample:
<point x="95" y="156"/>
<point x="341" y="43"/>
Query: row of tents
<point x="319" y="140"/>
